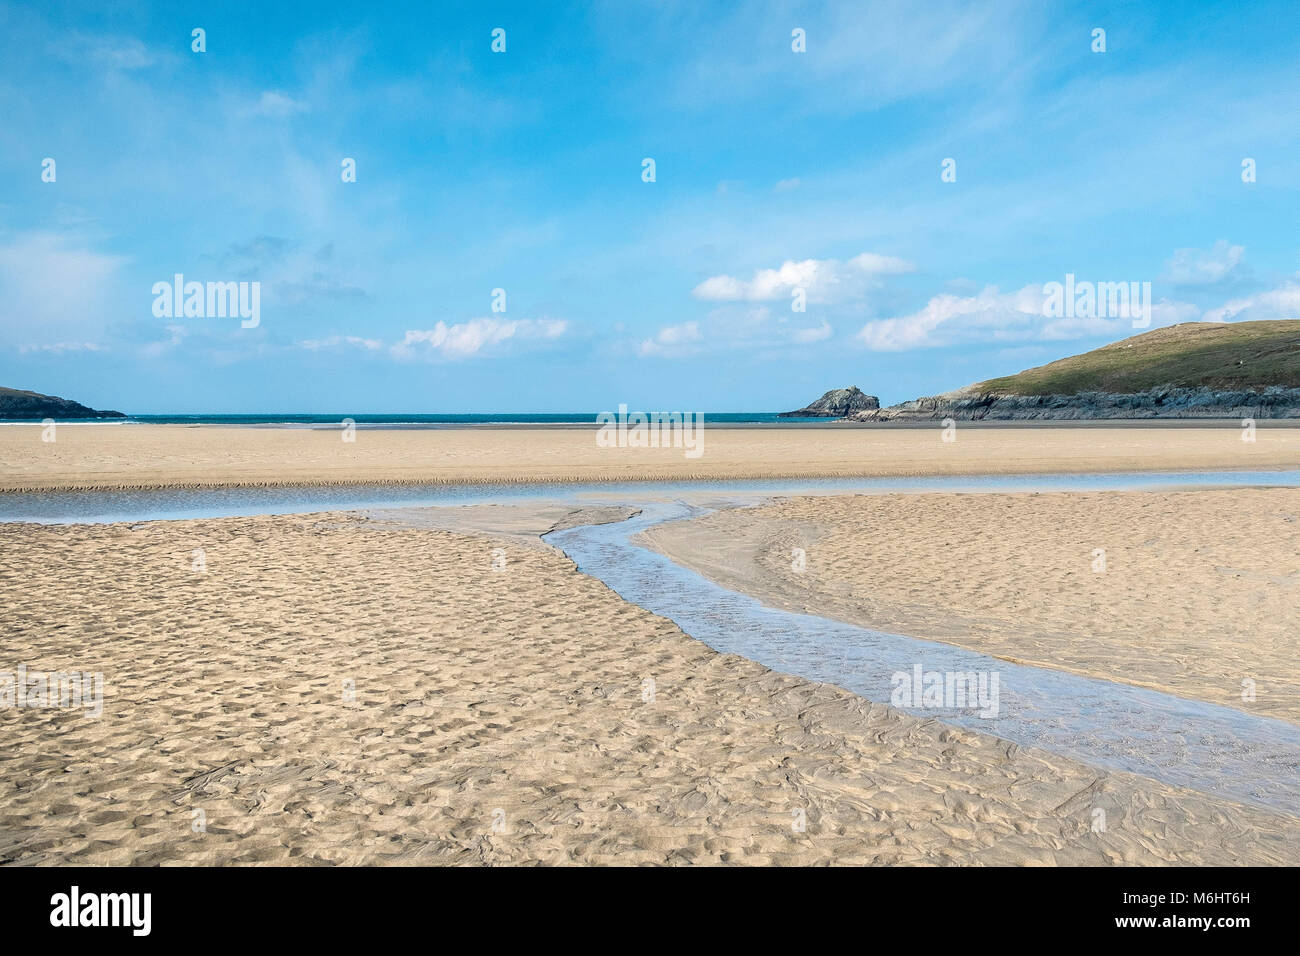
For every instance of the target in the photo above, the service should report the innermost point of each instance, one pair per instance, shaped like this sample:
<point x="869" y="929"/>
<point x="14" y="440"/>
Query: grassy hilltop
<point x="1238" y="355"/>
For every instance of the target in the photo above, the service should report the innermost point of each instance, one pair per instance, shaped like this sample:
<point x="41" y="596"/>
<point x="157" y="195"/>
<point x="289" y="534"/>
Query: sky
<point x="914" y="178"/>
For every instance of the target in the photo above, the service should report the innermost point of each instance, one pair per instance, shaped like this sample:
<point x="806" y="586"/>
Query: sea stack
<point x="837" y="403"/>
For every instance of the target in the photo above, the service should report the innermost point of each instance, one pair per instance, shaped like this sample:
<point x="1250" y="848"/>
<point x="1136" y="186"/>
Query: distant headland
<point x="21" y="404"/>
<point x="1191" y="370"/>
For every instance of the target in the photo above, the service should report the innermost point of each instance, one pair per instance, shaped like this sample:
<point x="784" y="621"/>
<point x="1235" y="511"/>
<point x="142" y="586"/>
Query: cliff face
<point x="837" y="403"/>
<point x="19" y="404"/>
<point x="1272" y="402"/>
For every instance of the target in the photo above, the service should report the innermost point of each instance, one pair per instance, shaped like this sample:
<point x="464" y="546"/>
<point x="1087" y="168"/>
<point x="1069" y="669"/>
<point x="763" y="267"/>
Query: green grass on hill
<point x="1218" y="355"/>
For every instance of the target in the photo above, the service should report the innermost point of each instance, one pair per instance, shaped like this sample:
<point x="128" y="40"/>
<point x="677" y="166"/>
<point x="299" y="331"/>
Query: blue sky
<point x="522" y="171"/>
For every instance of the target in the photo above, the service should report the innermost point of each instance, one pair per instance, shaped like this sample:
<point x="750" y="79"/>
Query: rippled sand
<point x="151" y="456"/>
<point x="1189" y="592"/>
<point x="515" y="697"/>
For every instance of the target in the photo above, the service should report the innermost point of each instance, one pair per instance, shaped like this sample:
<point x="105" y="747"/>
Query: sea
<point x="403" y="420"/>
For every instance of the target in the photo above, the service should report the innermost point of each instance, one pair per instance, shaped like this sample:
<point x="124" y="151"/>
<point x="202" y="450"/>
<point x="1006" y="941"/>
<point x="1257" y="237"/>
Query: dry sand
<point x="142" y="456"/>
<point x="1199" y="592"/>
<point x="478" y="691"/>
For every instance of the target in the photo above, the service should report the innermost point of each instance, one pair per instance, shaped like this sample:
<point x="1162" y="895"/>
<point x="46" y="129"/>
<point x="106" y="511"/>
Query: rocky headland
<point x="24" y="405"/>
<point x="1193" y="370"/>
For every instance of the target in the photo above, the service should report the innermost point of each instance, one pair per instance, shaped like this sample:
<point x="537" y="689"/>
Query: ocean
<point x="404" y="420"/>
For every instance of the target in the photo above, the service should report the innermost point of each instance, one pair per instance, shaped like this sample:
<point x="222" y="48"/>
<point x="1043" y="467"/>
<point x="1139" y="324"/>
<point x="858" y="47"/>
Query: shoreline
<point x="614" y="481"/>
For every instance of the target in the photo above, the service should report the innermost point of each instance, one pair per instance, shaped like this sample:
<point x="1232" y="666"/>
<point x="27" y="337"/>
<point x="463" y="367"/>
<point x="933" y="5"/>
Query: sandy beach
<point x="152" y="456"/>
<point x="332" y="689"/>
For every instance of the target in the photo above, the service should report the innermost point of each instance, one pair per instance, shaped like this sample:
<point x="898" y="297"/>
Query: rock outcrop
<point x="837" y="403"/>
<point x="20" y="404"/>
<point x="972" y="405"/>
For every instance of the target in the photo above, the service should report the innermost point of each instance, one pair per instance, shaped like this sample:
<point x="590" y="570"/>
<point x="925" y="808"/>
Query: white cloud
<point x="672" y="339"/>
<point x="176" y="334"/>
<point x="874" y="264"/>
<point x="1280" y="303"/>
<point x="786" y="185"/>
<point x="992" y="316"/>
<point x="112" y="52"/>
<point x="337" y="341"/>
<point x="59" y="348"/>
<point x="53" y="284"/>
<point x="1204" y="266"/>
<point x="824" y="280"/>
<point x="754" y="329"/>
<point x="935" y="323"/>
<point x="469" y="338"/>
<point x="276" y="104"/>
<point x="954" y="45"/>
<point x="818" y="334"/>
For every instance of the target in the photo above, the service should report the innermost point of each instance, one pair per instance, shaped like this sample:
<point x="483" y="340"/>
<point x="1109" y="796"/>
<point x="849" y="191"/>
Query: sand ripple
<point x="511" y="697"/>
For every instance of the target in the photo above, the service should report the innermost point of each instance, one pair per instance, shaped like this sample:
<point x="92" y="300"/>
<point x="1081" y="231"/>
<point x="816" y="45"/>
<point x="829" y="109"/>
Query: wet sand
<point x="1190" y="592"/>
